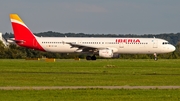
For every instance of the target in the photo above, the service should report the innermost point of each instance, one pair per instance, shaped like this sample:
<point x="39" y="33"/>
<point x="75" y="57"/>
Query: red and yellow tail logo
<point x="23" y="36"/>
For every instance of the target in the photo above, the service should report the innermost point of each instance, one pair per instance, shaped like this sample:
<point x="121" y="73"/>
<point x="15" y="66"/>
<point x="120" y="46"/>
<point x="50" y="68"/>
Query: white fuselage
<point x="118" y="45"/>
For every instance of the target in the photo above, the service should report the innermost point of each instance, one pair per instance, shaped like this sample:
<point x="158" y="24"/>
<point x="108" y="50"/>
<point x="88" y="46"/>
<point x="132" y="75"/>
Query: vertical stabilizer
<point x="23" y="36"/>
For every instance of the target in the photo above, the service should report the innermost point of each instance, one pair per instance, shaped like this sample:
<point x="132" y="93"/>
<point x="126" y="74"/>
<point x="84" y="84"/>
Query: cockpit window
<point x="164" y="43"/>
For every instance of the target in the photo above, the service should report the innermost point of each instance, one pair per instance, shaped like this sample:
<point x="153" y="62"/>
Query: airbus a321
<point x="104" y="47"/>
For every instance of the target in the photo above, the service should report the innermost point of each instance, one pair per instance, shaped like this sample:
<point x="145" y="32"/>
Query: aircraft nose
<point x="172" y="48"/>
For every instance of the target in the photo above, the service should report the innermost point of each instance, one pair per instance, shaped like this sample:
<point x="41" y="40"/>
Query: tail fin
<point x="23" y="36"/>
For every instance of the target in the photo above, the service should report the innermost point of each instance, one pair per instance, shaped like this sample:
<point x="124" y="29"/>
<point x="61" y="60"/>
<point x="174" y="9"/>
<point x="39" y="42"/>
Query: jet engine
<point x="107" y="53"/>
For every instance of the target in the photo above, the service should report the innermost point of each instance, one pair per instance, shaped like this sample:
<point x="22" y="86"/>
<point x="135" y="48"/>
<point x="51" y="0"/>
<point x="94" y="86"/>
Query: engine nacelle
<point x="106" y="53"/>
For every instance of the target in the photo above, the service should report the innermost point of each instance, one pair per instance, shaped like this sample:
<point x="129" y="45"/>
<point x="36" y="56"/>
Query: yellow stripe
<point x="16" y="17"/>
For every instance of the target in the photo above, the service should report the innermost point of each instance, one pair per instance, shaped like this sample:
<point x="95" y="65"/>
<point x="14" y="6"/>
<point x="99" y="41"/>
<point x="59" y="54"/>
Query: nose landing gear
<point x="155" y="57"/>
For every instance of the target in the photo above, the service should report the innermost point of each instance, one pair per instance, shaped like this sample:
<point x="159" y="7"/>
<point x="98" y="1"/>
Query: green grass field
<point x="90" y="73"/>
<point x="105" y="72"/>
<point x="90" y="95"/>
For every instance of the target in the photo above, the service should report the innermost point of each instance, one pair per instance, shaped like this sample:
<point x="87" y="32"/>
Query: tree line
<point x="16" y="52"/>
<point x="173" y="38"/>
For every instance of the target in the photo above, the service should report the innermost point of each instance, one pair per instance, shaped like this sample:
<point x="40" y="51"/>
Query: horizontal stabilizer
<point x="17" y="41"/>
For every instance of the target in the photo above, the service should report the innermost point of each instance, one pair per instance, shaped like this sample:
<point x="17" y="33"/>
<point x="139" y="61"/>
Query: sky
<point x="94" y="16"/>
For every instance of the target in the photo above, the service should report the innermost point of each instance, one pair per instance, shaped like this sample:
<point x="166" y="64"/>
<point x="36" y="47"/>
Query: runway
<point x="86" y="87"/>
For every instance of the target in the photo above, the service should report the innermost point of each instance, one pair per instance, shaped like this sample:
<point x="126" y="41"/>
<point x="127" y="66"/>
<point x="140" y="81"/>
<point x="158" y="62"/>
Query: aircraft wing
<point x="85" y="48"/>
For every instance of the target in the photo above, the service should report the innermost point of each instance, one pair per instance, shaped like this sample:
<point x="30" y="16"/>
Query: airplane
<point x="3" y="40"/>
<point x="104" y="47"/>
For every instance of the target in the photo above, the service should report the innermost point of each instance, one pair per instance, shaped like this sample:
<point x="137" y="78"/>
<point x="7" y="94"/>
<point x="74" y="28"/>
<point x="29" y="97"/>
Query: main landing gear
<point x="91" y="57"/>
<point x="155" y="57"/>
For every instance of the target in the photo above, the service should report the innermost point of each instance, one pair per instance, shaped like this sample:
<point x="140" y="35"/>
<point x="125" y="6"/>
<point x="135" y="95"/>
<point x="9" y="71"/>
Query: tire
<point x="88" y="57"/>
<point x="93" y="57"/>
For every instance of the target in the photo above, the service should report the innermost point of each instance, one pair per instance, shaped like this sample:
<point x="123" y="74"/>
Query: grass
<point x="106" y="72"/>
<point x="90" y="95"/>
<point x="111" y="72"/>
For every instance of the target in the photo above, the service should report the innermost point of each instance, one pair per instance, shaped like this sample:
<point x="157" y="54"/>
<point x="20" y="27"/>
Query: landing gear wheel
<point x="88" y="57"/>
<point x="155" y="57"/>
<point x="93" y="57"/>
